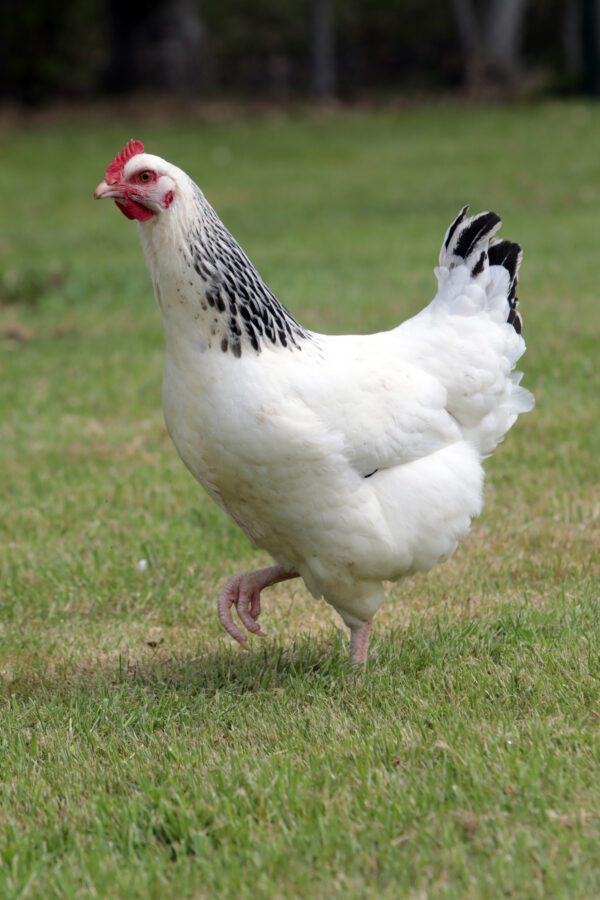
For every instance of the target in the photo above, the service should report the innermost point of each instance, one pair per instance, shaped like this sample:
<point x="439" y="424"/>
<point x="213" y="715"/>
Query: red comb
<point x="115" y="170"/>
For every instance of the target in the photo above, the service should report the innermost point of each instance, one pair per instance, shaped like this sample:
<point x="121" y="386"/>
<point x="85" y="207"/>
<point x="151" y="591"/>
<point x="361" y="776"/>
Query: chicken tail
<point x="470" y="334"/>
<point x="471" y="243"/>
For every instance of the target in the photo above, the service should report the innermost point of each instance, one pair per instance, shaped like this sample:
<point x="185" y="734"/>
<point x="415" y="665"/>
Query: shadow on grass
<point x="513" y="639"/>
<point x="264" y="667"/>
<point x="207" y="670"/>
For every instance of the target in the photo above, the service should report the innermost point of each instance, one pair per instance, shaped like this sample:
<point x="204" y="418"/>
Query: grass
<point x="141" y="755"/>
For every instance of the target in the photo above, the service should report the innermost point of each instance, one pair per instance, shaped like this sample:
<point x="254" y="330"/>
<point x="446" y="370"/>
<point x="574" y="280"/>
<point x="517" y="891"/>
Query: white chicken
<point x="351" y="459"/>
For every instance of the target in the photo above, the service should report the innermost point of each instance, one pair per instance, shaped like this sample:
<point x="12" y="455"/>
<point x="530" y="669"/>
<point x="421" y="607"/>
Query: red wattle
<point x="134" y="210"/>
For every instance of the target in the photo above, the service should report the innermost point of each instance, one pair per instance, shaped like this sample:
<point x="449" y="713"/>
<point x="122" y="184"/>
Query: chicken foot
<point x="243" y="592"/>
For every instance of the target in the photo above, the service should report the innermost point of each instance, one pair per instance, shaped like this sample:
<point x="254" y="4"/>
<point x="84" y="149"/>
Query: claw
<point x="243" y="592"/>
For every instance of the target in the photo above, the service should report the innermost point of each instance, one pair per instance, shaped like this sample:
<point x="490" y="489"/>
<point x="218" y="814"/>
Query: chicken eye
<point x="145" y="177"/>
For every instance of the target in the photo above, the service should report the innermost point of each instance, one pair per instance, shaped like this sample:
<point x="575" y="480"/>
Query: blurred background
<point x="283" y="49"/>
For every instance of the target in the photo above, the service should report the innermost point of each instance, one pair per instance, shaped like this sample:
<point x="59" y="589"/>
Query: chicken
<point x="353" y="459"/>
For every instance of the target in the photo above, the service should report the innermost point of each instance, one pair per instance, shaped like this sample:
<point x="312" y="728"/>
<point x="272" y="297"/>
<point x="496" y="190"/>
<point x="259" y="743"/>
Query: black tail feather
<point x="471" y="242"/>
<point x="460" y="218"/>
<point x="474" y="231"/>
<point x="509" y="255"/>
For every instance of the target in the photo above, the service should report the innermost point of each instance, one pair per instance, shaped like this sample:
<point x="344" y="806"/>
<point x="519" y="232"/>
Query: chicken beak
<point x="105" y="190"/>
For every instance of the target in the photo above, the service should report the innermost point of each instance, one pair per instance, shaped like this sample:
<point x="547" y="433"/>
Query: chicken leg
<point x="359" y="645"/>
<point x="243" y="592"/>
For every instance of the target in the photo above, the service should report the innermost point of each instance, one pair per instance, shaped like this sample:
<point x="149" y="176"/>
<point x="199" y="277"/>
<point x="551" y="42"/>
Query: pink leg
<point x="243" y="592"/>
<point x="359" y="645"/>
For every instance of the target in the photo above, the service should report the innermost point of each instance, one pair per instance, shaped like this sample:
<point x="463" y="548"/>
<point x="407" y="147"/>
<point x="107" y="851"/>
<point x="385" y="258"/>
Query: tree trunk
<point x="490" y="38"/>
<point x="581" y="43"/>
<point x="589" y="46"/>
<point x="470" y="41"/>
<point x="324" y="80"/>
<point x="503" y="37"/>
<point x="162" y="47"/>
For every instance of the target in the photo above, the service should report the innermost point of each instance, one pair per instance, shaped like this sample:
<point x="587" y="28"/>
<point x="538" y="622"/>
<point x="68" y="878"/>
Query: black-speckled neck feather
<point x="251" y="314"/>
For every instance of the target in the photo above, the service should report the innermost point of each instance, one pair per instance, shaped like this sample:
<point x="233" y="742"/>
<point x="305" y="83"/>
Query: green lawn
<point x="141" y="754"/>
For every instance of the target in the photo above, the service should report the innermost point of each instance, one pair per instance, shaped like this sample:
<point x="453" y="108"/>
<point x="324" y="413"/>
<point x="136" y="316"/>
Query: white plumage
<point x="351" y="459"/>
